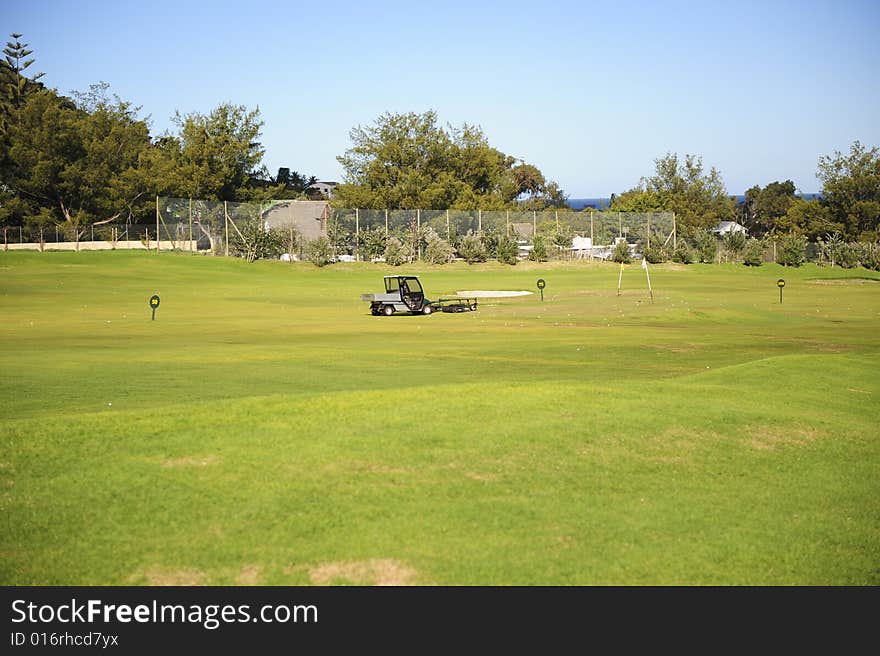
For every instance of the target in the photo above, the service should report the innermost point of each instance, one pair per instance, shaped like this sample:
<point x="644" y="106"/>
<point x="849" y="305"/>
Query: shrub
<point x="394" y="252"/>
<point x="792" y="251"/>
<point x="830" y="247"/>
<point x="682" y="253"/>
<point x="707" y="246"/>
<point x="372" y="240"/>
<point x="753" y="252"/>
<point x="869" y="255"/>
<point x="621" y="252"/>
<point x="734" y="242"/>
<point x="848" y="255"/>
<point x="471" y="248"/>
<point x="319" y="252"/>
<point x="506" y="250"/>
<point x="539" y="250"/>
<point x="655" y="254"/>
<point x="439" y="251"/>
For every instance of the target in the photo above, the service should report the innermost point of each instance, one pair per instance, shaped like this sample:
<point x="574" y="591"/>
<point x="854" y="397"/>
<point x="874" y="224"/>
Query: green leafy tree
<point x="698" y="198"/>
<point x="809" y="218"/>
<point x="763" y="208"/>
<point x="218" y="153"/>
<point x="408" y="161"/>
<point x="82" y="160"/>
<point x="851" y="190"/>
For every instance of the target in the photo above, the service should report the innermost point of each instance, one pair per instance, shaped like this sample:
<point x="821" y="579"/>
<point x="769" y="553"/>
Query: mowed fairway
<point x="265" y="429"/>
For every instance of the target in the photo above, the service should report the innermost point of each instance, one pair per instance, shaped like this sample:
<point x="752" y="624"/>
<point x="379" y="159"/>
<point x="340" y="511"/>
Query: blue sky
<point x="591" y="93"/>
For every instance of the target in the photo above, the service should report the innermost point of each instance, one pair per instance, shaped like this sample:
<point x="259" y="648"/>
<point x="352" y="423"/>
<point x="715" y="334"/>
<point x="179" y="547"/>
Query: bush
<point x="506" y="250"/>
<point x="869" y="255"/>
<point x="734" y="242"/>
<point x="753" y="252"/>
<point x="655" y="254"/>
<point x="707" y="246"/>
<point x="621" y="253"/>
<point x="682" y="254"/>
<point x="372" y="240"/>
<point x="439" y="251"/>
<point x="319" y="252"/>
<point x="471" y="248"/>
<point x="255" y="242"/>
<point x="539" y="250"/>
<point x="394" y="252"/>
<point x="848" y="255"/>
<point x="792" y="251"/>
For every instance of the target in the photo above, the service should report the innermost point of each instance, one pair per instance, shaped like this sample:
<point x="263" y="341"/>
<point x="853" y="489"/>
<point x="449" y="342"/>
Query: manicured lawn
<point x="266" y="429"/>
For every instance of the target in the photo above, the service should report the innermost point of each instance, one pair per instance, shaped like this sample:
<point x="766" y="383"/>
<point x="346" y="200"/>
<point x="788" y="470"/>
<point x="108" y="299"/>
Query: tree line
<point x="89" y="159"/>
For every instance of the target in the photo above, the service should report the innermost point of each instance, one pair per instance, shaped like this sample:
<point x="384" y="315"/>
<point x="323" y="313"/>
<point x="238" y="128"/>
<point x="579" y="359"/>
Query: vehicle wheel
<point x="473" y="307"/>
<point x="388" y="310"/>
<point x="427" y="309"/>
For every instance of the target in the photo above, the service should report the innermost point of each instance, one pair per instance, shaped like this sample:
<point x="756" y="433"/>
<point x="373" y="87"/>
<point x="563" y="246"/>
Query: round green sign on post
<point x="541" y="285"/>
<point x="154" y="303"/>
<point x="780" y="283"/>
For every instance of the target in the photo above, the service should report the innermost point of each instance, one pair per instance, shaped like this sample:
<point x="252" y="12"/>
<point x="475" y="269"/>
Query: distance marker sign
<point x="154" y="303"/>
<point x="541" y="285"/>
<point x="780" y="283"/>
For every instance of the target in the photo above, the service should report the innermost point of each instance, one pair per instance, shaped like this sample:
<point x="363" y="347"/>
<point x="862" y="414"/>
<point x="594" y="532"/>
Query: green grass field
<point x="267" y="430"/>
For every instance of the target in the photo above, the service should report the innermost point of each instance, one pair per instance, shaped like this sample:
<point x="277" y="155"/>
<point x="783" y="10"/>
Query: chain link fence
<point x="224" y="228"/>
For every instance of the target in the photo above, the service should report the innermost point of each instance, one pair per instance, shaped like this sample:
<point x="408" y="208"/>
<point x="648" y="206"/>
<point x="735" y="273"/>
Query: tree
<point x="698" y="199"/>
<point x="81" y="160"/>
<point x="763" y="208"/>
<point x="218" y="153"/>
<point x="407" y="161"/>
<point x="851" y="190"/>
<point x="809" y="218"/>
<point x="16" y="85"/>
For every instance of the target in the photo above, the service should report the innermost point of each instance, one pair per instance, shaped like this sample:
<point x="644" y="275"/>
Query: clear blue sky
<point x="590" y="92"/>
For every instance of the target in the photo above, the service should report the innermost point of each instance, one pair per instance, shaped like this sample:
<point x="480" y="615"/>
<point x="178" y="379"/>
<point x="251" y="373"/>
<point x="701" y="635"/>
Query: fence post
<point x="534" y="224"/>
<point x="226" y="225"/>
<point x="507" y="223"/>
<point x="649" y="230"/>
<point x="190" y="225"/>
<point x="480" y="221"/>
<point x="158" y="234"/>
<point x="674" y="233"/>
<point x="419" y="231"/>
<point x="386" y="223"/>
<point x="357" y="231"/>
<point x="21" y="236"/>
<point x="447" y="226"/>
